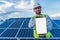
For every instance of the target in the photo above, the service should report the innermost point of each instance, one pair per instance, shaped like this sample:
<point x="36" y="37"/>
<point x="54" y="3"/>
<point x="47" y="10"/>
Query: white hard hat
<point x="37" y="5"/>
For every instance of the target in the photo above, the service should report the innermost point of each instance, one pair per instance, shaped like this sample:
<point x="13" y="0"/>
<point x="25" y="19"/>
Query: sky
<point x="51" y="6"/>
<point x="24" y="8"/>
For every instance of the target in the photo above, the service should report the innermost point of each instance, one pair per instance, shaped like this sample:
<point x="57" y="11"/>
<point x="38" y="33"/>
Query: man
<point x="37" y="10"/>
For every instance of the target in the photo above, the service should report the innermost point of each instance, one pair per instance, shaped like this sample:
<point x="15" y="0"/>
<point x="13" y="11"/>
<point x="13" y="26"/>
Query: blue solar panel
<point x="54" y="25"/>
<point x="20" y="19"/>
<point x="57" y="21"/>
<point x="28" y="19"/>
<point x="1" y="30"/>
<point x="25" y="33"/>
<point x="14" y="19"/>
<point x="56" y="32"/>
<point x="9" y="33"/>
<point x="6" y="24"/>
<point x="8" y="39"/>
<point x="17" y="24"/>
<point x="39" y="39"/>
<point x="17" y="19"/>
<point x="25" y="24"/>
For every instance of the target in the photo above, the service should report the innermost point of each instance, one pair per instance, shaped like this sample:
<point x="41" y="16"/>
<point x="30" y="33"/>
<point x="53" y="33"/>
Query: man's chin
<point x="38" y="12"/>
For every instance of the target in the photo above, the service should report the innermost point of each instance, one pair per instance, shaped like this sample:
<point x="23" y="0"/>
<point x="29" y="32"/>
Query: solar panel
<point x="17" y="19"/>
<point x="1" y="30"/>
<point x="8" y="39"/>
<point x="25" y="33"/>
<point x="35" y="39"/>
<point x="25" y="24"/>
<point x="14" y="19"/>
<point x="9" y="33"/>
<point x="57" y="21"/>
<point x="27" y="19"/>
<point x="17" y="24"/>
<point x="56" y="32"/>
<point x="6" y="24"/>
<point x="54" y="25"/>
<point x="21" y="19"/>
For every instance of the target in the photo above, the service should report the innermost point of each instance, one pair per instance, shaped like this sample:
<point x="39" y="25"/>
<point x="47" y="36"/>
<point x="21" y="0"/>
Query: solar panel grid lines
<point x="52" y="36"/>
<point x="56" y="24"/>
<point x="1" y="30"/>
<point x="22" y="18"/>
<point x="20" y="27"/>
<point x="28" y="38"/>
<point x="26" y="28"/>
<point x="5" y="24"/>
<point x="7" y="28"/>
<point x="9" y="33"/>
<point x="57" y="21"/>
<point x="25" y="25"/>
<point x="40" y="39"/>
<point x="16" y="24"/>
<point x="31" y="32"/>
<point x="16" y="28"/>
<point x="8" y="38"/>
<point x="56" y="28"/>
<point x="53" y="33"/>
<point x="56" y="32"/>
<point x="25" y="33"/>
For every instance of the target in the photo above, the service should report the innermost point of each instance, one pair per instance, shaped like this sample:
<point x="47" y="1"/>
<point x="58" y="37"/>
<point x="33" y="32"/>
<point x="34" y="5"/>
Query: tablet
<point x="41" y="27"/>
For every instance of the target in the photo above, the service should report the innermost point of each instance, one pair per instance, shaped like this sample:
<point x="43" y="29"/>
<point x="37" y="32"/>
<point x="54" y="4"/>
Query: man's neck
<point x="38" y="14"/>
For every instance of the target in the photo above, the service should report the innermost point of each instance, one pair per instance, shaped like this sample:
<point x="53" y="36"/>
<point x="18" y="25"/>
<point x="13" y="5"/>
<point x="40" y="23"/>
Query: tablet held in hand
<point x="41" y="27"/>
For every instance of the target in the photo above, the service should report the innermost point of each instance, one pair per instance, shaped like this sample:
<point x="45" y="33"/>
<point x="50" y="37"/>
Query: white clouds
<point x="21" y="6"/>
<point x="2" y="9"/>
<point x="55" y="15"/>
<point x="5" y="6"/>
<point x="19" y="15"/>
<point x="24" y="5"/>
<point x="14" y="15"/>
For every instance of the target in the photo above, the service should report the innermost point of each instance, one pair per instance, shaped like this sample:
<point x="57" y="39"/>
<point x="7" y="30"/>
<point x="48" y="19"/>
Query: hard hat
<point x="37" y="5"/>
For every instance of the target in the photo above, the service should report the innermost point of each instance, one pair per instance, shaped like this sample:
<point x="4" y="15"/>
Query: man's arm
<point x="31" y="23"/>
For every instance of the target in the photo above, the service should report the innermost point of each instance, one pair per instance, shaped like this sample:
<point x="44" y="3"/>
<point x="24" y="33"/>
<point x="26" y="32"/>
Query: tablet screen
<point x="41" y="27"/>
